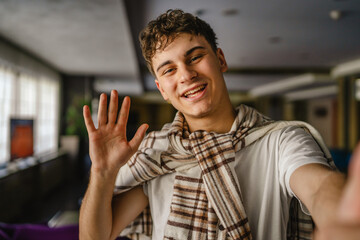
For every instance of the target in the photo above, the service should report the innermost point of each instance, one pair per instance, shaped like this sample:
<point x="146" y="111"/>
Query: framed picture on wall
<point x="21" y="138"/>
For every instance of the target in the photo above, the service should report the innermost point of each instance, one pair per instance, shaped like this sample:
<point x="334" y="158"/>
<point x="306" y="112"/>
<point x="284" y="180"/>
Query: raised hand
<point x="109" y="147"/>
<point x="348" y="225"/>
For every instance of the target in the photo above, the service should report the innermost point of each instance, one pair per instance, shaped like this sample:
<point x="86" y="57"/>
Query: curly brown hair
<point x="160" y="32"/>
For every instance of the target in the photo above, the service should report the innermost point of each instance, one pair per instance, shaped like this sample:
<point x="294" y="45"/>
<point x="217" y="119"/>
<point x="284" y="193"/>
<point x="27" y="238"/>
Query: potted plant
<point x="75" y="140"/>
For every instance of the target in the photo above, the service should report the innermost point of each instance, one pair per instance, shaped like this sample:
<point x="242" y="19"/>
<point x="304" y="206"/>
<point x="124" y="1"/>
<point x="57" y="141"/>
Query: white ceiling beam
<point x="312" y="93"/>
<point x="346" y="69"/>
<point x="289" y="84"/>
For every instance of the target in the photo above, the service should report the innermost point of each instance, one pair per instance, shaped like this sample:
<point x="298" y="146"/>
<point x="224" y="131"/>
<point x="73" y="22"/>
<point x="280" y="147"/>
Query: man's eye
<point x="167" y="71"/>
<point x="195" y="58"/>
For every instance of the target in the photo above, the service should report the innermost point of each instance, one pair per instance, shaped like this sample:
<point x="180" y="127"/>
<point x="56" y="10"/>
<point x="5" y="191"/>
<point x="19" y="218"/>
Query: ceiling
<point x="263" y="41"/>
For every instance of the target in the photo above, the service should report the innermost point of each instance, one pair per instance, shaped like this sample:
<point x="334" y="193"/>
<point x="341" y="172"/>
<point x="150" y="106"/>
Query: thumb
<point x="138" y="137"/>
<point x="349" y="210"/>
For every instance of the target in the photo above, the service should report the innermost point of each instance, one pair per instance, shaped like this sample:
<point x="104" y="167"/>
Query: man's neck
<point x="216" y="122"/>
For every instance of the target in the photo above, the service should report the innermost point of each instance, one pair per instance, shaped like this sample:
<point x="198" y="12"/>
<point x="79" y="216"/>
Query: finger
<point x="124" y="114"/>
<point x="113" y="107"/>
<point x="102" y="113"/>
<point x="349" y="210"/>
<point x="90" y="127"/>
<point x="138" y="137"/>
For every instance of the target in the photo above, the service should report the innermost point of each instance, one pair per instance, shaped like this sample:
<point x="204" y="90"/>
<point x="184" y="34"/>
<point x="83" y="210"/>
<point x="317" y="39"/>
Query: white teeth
<point x="193" y="91"/>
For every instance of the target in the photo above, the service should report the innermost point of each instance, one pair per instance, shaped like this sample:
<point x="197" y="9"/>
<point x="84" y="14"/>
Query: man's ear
<point x="222" y="60"/>
<point x="163" y="94"/>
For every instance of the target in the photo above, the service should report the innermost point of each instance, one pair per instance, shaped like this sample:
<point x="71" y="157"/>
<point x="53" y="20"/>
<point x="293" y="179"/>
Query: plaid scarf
<point x="208" y="206"/>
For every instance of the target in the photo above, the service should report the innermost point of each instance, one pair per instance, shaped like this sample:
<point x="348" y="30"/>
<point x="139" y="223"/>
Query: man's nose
<point x="187" y="73"/>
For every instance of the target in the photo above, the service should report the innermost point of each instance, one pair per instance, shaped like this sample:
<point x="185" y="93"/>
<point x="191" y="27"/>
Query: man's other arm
<point x="333" y="202"/>
<point x="320" y="189"/>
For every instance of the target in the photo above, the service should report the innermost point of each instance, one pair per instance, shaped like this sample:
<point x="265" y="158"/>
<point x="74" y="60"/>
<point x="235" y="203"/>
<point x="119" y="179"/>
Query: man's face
<point x="189" y="75"/>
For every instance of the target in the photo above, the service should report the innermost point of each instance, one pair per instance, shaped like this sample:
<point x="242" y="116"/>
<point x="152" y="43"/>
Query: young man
<point x="215" y="172"/>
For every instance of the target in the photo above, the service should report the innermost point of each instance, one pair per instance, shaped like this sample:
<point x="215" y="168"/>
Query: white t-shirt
<point x="263" y="170"/>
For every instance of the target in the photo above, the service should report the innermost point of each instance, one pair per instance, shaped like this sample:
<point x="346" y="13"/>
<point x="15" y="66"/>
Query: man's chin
<point x="198" y="113"/>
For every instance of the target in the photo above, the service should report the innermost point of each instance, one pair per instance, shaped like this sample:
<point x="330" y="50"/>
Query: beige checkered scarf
<point x="208" y="206"/>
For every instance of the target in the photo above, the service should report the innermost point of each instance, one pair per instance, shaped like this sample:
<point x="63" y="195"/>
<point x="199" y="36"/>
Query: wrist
<point x="101" y="175"/>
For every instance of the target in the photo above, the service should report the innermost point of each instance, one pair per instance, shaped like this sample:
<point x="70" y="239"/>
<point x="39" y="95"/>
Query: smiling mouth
<point x="194" y="92"/>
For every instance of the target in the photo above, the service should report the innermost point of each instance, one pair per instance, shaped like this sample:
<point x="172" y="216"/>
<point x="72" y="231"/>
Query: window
<point x="23" y="95"/>
<point x="7" y="83"/>
<point x="47" y="117"/>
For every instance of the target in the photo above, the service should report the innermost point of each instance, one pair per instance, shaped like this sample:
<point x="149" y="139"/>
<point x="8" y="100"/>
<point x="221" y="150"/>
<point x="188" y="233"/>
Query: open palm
<point x="109" y="147"/>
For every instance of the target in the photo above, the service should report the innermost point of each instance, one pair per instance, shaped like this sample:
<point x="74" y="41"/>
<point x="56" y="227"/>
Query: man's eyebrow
<point x="163" y="64"/>
<point x="188" y="52"/>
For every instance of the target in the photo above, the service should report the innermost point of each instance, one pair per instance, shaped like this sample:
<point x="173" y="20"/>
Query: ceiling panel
<point x="76" y="37"/>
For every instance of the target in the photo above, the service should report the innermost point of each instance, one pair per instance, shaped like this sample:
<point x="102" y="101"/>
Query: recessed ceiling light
<point x="275" y="40"/>
<point x="230" y="12"/>
<point x="199" y="12"/>
<point x="335" y="14"/>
